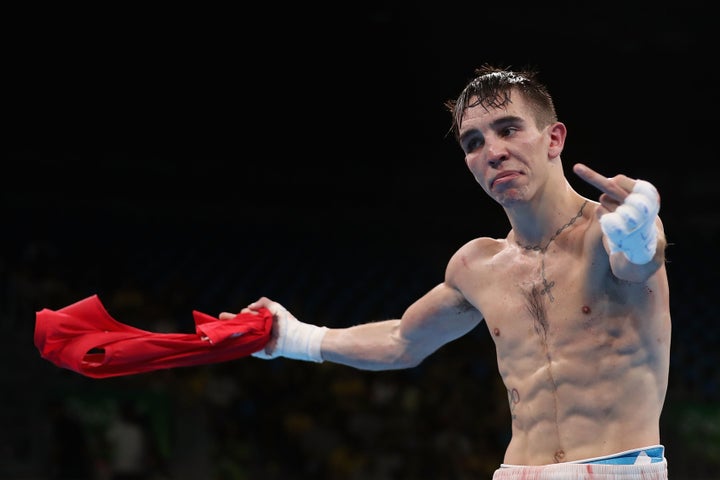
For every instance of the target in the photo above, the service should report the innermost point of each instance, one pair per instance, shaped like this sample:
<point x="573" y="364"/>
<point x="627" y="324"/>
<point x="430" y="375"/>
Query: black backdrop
<point x="171" y="159"/>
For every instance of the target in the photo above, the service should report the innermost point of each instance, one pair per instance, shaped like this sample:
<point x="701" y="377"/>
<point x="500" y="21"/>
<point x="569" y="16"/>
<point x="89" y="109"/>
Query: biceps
<point x="440" y="316"/>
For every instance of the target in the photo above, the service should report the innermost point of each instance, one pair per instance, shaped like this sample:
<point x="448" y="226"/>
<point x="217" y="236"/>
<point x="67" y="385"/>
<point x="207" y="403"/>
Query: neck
<point x="544" y="239"/>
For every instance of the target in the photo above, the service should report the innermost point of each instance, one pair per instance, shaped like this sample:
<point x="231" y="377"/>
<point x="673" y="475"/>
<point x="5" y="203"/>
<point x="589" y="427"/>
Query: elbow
<point x="410" y="358"/>
<point x="410" y="362"/>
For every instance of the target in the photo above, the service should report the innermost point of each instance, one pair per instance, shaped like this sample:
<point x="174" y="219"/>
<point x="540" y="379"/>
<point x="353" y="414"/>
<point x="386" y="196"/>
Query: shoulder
<point x="473" y="255"/>
<point x="480" y="248"/>
<point x="469" y="269"/>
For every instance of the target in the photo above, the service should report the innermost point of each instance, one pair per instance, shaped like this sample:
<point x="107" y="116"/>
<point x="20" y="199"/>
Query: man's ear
<point x="557" y="132"/>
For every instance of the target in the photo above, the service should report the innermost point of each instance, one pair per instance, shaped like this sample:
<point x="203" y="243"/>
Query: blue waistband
<point x="653" y="454"/>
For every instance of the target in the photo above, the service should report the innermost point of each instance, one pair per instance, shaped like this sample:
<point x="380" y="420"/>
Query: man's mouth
<point x="504" y="177"/>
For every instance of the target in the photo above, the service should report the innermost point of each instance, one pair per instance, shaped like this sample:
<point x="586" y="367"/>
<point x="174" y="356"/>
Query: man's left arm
<point x="633" y="233"/>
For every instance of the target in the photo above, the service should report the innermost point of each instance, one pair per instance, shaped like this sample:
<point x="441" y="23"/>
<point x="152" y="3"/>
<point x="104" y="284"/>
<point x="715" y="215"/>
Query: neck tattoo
<point x="547" y="285"/>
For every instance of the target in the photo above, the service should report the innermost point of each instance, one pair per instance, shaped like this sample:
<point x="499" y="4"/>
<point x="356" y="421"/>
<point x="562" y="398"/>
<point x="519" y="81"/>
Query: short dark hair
<point x="491" y="88"/>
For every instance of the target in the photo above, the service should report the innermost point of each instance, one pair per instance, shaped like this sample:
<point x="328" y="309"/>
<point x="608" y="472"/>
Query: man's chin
<point x="508" y="197"/>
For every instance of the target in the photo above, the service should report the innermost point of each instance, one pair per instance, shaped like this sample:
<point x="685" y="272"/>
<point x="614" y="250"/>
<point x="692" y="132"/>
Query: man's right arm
<point x="438" y="317"/>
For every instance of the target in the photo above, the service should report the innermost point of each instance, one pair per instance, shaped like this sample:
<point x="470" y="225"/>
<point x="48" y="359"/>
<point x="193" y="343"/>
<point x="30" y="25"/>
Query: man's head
<point x="505" y="123"/>
<point x="491" y="88"/>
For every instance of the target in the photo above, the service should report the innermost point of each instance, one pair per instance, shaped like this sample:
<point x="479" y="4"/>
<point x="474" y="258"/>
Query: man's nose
<point x="496" y="153"/>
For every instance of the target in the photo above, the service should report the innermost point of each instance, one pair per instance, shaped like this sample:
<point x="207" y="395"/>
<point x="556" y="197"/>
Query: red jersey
<point x="84" y="338"/>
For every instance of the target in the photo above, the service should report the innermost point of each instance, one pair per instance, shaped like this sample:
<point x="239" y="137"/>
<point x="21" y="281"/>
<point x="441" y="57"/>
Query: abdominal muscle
<point x="578" y="392"/>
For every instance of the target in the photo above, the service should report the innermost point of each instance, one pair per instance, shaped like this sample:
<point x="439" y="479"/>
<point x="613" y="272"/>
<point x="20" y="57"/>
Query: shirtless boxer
<point x="575" y="297"/>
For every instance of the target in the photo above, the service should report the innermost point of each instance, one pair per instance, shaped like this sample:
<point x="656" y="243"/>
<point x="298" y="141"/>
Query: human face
<point x="504" y="149"/>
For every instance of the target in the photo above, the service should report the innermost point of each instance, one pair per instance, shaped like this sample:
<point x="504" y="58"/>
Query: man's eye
<point x="473" y="144"/>
<point x="506" y="132"/>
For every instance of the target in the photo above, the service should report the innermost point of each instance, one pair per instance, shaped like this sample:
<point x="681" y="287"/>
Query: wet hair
<point x="492" y="87"/>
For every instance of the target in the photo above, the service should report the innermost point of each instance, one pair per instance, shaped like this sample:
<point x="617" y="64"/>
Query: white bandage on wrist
<point x="631" y="227"/>
<point x="295" y="339"/>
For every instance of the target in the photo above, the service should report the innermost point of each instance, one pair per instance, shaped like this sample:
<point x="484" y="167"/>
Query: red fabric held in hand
<point x="84" y="338"/>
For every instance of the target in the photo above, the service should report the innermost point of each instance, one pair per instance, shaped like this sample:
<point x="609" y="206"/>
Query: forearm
<point x="370" y="346"/>
<point x="384" y="345"/>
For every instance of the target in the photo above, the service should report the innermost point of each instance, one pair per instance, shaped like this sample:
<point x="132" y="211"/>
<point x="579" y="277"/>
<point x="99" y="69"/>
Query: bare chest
<point x="543" y="294"/>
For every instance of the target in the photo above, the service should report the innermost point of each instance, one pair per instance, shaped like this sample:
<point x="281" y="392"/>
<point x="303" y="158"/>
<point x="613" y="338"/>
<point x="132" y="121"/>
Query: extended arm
<point x="437" y="318"/>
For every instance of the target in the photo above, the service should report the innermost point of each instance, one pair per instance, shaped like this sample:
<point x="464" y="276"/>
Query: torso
<point x="586" y="374"/>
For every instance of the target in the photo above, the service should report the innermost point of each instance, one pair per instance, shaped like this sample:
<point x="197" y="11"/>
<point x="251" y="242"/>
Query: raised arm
<point x="438" y="317"/>
<point x="633" y="233"/>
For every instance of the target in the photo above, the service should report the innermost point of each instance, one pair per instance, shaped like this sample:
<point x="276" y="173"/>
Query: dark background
<point x="171" y="159"/>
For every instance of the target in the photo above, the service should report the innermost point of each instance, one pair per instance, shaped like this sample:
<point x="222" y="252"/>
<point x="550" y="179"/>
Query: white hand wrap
<point x="295" y="339"/>
<point x="631" y="227"/>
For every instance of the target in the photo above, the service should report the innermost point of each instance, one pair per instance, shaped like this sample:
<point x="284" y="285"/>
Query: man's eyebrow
<point x="505" y="121"/>
<point x="496" y="124"/>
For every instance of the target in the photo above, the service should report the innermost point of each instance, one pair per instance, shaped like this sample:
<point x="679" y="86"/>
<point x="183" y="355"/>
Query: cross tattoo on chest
<point x="547" y="285"/>
<point x="546" y="289"/>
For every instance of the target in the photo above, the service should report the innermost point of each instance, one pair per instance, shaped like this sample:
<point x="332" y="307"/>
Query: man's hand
<point x="290" y="337"/>
<point x="630" y="209"/>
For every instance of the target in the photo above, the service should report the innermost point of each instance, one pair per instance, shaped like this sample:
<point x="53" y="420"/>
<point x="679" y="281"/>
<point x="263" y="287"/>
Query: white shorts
<point x="647" y="463"/>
